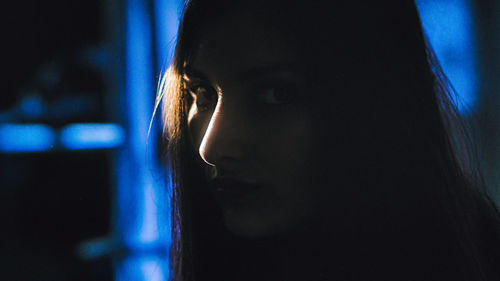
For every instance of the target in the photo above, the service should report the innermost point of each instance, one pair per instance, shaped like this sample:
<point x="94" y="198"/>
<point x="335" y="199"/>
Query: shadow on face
<point x="302" y="115"/>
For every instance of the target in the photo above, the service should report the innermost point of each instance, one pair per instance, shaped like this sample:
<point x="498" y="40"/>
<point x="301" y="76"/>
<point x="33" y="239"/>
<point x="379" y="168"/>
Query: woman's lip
<point x="235" y="194"/>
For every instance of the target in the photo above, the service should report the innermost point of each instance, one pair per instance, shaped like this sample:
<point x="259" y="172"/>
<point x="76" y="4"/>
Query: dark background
<point x="51" y="202"/>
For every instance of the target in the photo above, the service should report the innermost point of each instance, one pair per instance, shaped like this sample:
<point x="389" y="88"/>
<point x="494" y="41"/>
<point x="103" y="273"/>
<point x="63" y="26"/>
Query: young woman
<point x="316" y="140"/>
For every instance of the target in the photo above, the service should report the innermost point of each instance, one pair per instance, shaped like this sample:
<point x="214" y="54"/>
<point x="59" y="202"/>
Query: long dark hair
<point x="455" y="235"/>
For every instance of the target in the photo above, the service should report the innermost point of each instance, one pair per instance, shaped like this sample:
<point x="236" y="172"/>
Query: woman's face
<point x="254" y="128"/>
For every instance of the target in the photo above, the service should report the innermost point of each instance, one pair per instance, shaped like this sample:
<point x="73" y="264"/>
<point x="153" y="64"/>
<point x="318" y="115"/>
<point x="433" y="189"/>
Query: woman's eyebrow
<point x="193" y="74"/>
<point x="248" y="75"/>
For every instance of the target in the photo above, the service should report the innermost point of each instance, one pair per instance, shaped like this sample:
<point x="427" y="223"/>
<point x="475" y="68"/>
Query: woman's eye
<point x="275" y="95"/>
<point x="205" y="98"/>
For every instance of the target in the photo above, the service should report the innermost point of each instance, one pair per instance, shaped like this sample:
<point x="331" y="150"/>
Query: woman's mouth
<point x="231" y="192"/>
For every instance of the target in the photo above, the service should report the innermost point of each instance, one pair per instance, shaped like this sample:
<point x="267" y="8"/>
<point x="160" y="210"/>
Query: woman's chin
<point x="246" y="223"/>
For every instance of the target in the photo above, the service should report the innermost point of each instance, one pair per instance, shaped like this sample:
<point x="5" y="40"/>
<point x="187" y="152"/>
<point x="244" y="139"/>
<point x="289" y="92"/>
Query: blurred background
<point x="81" y="194"/>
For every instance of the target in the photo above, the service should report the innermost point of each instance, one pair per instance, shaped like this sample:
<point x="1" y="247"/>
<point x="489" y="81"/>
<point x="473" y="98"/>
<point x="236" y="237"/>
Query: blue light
<point x="167" y="20"/>
<point x="448" y="26"/>
<point x="142" y="221"/>
<point x="32" y="106"/>
<point x="141" y="214"/>
<point x="153" y="269"/>
<point x="26" y="138"/>
<point x="133" y="166"/>
<point x="91" y="136"/>
<point x="149" y="230"/>
<point x="142" y="268"/>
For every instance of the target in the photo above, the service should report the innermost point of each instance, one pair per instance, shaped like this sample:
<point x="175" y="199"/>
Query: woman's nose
<point x="222" y="139"/>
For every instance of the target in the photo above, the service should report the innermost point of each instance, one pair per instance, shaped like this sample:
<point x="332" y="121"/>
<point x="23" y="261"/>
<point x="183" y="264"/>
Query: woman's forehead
<point x="243" y="42"/>
<point x="324" y="38"/>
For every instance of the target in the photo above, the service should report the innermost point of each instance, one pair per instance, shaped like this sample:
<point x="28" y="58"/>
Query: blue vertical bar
<point x="142" y="268"/>
<point x="167" y="14"/>
<point x="167" y="22"/>
<point x="141" y="215"/>
<point x="448" y="25"/>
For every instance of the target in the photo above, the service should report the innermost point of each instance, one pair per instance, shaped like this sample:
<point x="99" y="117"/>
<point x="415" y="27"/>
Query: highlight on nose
<point x="207" y="149"/>
<point x="220" y="139"/>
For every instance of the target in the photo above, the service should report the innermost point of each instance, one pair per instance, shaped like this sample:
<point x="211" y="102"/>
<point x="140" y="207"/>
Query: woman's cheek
<point x="197" y="125"/>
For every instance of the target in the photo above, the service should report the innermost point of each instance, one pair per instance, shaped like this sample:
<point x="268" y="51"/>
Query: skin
<point x="250" y="121"/>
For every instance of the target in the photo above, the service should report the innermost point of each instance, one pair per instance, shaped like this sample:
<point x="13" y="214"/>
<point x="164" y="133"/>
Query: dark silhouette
<point x="317" y="140"/>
